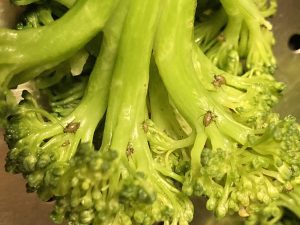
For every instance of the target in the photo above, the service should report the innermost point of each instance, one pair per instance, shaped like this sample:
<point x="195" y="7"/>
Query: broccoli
<point x="221" y="142"/>
<point x="241" y="34"/>
<point x="140" y="106"/>
<point x="24" y="54"/>
<point x="43" y="162"/>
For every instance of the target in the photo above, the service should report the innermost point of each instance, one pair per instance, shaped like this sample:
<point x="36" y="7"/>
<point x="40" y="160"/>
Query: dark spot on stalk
<point x="66" y="143"/>
<point x="221" y="38"/>
<point x="72" y="127"/>
<point x="218" y="81"/>
<point x="208" y="118"/>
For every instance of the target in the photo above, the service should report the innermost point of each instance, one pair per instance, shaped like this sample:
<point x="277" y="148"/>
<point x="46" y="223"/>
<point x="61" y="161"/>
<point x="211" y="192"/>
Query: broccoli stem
<point x="206" y="32"/>
<point x="45" y="82"/>
<point x="162" y="112"/>
<point x="31" y="47"/>
<point x="174" y="46"/>
<point x="259" y="47"/>
<point x="244" y="38"/>
<point x="290" y="201"/>
<point x="250" y="12"/>
<point x="224" y="53"/>
<point x="232" y="30"/>
<point x="96" y="94"/>
<point x="97" y="91"/>
<point x="131" y="74"/>
<point x="196" y="153"/>
<point x="167" y="193"/>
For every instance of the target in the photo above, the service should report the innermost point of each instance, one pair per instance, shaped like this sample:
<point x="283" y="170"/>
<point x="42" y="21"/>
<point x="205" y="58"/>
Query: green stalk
<point x="34" y="47"/>
<point x="162" y="113"/>
<point x="290" y="201"/>
<point x="130" y="80"/>
<point x="232" y="30"/>
<point x="224" y="52"/>
<point x="206" y="32"/>
<point x="94" y="102"/>
<point x="131" y="74"/>
<point x="174" y="46"/>
<point x="95" y="99"/>
<point x="166" y="192"/>
<point x="220" y="52"/>
<point x="244" y="38"/>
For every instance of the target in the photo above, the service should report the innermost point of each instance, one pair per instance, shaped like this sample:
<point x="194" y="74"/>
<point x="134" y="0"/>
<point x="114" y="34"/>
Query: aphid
<point x="221" y="37"/>
<point x="72" y="127"/>
<point x="129" y="150"/>
<point x="145" y="127"/>
<point x="66" y="143"/>
<point x="218" y="81"/>
<point x="208" y="118"/>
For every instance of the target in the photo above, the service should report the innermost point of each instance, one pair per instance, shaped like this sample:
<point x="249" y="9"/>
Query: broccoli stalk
<point x="136" y="190"/>
<point x="36" y="18"/>
<point x="250" y="97"/>
<point x="27" y="53"/>
<point x="260" y="56"/>
<point x="267" y="8"/>
<point x="166" y="131"/>
<point x="43" y="163"/>
<point x="220" y="138"/>
<point x="19" y="46"/>
<point x="206" y="32"/>
<point x="190" y="92"/>
<point x="224" y="53"/>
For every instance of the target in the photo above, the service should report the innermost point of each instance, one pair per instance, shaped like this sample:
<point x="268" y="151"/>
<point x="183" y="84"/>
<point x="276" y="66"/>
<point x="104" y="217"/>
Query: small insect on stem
<point x="66" y="143"/>
<point x="218" y="81"/>
<point x="72" y="127"/>
<point x="208" y="118"/>
<point x="129" y="150"/>
<point x="221" y="38"/>
<point x="145" y="127"/>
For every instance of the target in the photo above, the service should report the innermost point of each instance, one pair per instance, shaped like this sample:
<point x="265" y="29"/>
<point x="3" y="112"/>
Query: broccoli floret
<point x="130" y="118"/>
<point x="133" y="192"/>
<point x="246" y="35"/>
<point x="284" y="211"/>
<point x="250" y="96"/>
<point x="42" y="144"/>
<point x="46" y="150"/>
<point x="259" y="51"/>
<point x="23" y="54"/>
<point x="35" y="18"/>
<point x="206" y="32"/>
<point x="224" y="174"/>
<point x="224" y="53"/>
<point x="267" y="8"/>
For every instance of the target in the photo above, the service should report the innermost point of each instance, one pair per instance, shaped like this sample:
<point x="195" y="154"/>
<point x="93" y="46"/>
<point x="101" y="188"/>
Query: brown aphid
<point x="208" y="118"/>
<point x="129" y="151"/>
<point x="221" y="38"/>
<point x="145" y="127"/>
<point x="72" y="127"/>
<point x="66" y="143"/>
<point x="218" y="81"/>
